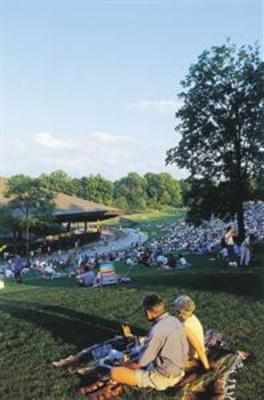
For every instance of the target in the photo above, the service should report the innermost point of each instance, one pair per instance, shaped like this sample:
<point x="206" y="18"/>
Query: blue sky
<point x="91" y="86"/>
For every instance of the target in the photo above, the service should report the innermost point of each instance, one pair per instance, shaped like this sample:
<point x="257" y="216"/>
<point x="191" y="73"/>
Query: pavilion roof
<point x="71" y="208"/>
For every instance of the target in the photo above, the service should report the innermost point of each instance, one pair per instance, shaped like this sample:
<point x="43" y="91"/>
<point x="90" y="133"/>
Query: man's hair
<point x="152" y="301"/>
<point x="184" y="303"/>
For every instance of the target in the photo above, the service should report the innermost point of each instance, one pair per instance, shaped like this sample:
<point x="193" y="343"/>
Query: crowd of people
<point x="170" y="248"/>
<point x="217" y="237"/>
<point x="81" y="263"/>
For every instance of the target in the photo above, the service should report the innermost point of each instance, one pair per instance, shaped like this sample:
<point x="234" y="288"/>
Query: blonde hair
<point x="185" y="303"/>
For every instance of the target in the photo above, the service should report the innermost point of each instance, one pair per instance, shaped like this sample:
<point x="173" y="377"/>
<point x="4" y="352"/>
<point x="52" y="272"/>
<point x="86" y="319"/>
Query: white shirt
<point x="182" y="261"/>
<point x="229" y="238"/>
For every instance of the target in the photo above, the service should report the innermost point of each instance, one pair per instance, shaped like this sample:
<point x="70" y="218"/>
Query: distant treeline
<point x="202" y="197"/>
<point x="130" y="193"/>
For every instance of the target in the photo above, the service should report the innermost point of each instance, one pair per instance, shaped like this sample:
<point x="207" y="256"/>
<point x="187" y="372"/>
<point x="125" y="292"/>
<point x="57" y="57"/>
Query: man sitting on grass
<point x="162" y="361"/>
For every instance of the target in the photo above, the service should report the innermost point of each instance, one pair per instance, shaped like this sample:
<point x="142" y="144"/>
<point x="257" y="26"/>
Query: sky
<point x="91" y="86"/>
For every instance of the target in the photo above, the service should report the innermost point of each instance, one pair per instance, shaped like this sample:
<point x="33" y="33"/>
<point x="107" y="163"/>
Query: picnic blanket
<point x="93" y="364"/>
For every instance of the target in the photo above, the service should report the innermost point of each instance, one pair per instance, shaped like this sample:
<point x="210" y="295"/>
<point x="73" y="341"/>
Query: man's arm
<point x="153" y="344"/>
<point x="198" y="346"/>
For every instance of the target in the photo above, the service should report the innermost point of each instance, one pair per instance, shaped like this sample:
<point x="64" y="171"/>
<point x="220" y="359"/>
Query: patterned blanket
<point x="94" y="363"/>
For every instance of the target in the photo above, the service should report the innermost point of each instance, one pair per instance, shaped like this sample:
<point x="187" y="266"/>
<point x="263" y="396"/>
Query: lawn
<point x="41" y="321"/>
<point x="152" y="217"/>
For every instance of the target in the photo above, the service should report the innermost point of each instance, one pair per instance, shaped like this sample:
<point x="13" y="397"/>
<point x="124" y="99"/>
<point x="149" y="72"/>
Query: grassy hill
<point x="41" y="321"/>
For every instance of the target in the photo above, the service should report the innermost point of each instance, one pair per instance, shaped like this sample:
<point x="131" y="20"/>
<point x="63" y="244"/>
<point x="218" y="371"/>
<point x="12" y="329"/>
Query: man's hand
<point x="130" y="364"/>
<point x="126" y="331"/>
<point x="133" y="365"/>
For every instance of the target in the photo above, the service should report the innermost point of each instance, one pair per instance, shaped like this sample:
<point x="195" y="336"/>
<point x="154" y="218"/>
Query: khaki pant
<point x="156" y="380"/>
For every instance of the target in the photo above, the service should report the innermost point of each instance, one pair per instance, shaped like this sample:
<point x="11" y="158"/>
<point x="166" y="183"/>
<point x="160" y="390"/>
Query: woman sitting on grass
<point x="185" y="307"/>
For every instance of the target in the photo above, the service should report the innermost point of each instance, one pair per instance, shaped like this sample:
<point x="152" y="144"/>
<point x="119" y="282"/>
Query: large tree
<point x="96" y="188"/>
<point x="9" y="223"/>
<point x="132" y="188"/>
<point x="205" y="198"/>
<point x="162" y="190"/>
<point x="221" y="120"/>
<point x="57" y="181"/>
<point x="32" y="205"/>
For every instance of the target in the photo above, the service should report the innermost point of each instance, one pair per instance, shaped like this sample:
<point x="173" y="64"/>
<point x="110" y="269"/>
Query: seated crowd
<point x="175" y="240"/>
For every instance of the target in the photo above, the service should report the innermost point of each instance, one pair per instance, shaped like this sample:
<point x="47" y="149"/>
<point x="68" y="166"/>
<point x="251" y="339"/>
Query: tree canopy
<point x="162" y="190"/>
<point x="221" y="120"/>
<point x="96" y="188"/>
<point x="132" y="192"/>
<point x="57" y="181"/>
<point x="29" y="199"/>
<point x="132" y="188"/>
<point x="31" y="205"/>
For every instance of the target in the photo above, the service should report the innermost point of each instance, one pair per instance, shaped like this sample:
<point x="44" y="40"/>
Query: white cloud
<point x="49" y="140"/>
<point x="46" y="139"/>
<point x="109" y="138"/>
<point x="161" y="106"/>
<point x="111" y="155"/>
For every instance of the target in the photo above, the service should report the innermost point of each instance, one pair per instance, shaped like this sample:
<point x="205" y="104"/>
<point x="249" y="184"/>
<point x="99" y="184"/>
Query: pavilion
<point x="70" y="211"/>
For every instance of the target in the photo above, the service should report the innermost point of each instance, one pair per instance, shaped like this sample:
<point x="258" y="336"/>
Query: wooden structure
<point x="69" y="210"/>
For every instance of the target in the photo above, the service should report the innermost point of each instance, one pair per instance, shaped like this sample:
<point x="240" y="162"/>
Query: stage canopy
<point x="71" y="208"/>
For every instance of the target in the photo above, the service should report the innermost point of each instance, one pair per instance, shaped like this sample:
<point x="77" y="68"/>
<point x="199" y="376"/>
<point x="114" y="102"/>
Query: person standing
<point x="245" y="255"/>
<point x="229" y="240"/>
<point x="19" y="265"/>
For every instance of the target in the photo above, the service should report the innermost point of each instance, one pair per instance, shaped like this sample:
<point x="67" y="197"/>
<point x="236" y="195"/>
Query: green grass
<point x="152" y="217"/>
<point x="41" y="321"/>
<point x="150" y="220"/>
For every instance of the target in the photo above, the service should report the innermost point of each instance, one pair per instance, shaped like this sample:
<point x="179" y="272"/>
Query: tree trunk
<point x="27" y="247"/>
<point x="14" y="238"/>
<point x="240" y="220"/>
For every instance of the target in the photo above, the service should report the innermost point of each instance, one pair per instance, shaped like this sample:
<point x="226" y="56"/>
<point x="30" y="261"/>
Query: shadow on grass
<point x="237" y="283"/>
<point x="70" y="326"/>
<point x="50" y="283"/>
